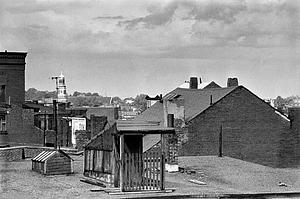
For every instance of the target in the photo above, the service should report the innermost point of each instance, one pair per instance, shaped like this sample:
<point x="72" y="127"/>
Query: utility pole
<point x="221" y="142"/>
<point x="45" y="120"/>
<point x="55" y="121"/>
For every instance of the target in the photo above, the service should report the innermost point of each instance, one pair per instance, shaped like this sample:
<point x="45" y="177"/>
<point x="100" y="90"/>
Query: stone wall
<point x="22" y="152"/>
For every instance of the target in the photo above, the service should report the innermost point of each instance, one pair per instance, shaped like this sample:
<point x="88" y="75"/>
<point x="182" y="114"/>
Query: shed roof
<point x="45" y="155"/>
<point x="133" y="127"/>
<point x="103" y="141"/>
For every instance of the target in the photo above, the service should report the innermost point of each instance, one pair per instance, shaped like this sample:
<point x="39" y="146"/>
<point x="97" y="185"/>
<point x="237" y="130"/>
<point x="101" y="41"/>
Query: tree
<point x="140" y="102"/>
<point x="30" y="94"/>
<point x="76" y="93"/>
<point x="95" y="94"/>
<point x="116" y="100"/>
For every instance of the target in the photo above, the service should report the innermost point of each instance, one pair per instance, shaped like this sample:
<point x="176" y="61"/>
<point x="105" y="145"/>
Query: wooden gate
<point x="143" y="171"/>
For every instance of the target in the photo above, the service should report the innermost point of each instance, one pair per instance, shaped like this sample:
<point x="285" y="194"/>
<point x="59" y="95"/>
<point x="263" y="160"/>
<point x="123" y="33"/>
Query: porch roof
<point x="134" y="127"/>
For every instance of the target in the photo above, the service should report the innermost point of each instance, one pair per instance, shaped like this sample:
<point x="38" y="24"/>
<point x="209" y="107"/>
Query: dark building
<point x="12" y="85"/>
<point x="230" y="119"/>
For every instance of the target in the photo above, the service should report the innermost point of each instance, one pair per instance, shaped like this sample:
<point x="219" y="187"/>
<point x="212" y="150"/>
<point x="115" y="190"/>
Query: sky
<point x="128" y="47"/>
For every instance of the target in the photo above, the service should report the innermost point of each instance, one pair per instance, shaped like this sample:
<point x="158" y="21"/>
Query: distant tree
<point x="116" y="100"/>
<point x="140" y="102"/>
<point x="76" y="93"/>
<point x="30" y="94"/>
<point x="34" y="94"/>
<point x="279" y="104"/>
<point x="95" y="94"/>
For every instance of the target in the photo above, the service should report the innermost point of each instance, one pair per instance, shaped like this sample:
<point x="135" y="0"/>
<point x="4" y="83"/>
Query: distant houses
<point x="232" y="121"/>
<point x="32" y="123"/>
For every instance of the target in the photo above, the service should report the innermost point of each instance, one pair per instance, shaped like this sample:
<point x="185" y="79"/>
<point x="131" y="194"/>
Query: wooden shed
<point x="53" y="163"/>
<point x="115" y="157"/>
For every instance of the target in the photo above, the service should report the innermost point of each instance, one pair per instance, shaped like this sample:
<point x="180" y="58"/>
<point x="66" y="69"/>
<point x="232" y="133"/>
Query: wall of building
<point x="176" y="108"/>
<point x="110" y="112"/>
<point x="251" y="130"/>
<point x="21" y="128"/>
<point x="12" y="75"/>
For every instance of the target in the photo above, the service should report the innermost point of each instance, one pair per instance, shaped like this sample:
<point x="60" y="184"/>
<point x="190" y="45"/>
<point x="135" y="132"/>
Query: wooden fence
<point x="143" y="171"/>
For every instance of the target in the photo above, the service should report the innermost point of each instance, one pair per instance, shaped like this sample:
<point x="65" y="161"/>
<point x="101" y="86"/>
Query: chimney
<point x="294" y="116"/>
<point x="170" y="120"/>
<point x="232" y="82"/>
<point x="193" y="83"/>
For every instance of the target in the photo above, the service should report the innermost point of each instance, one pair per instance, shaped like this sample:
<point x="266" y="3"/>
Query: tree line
<point x="80" y="99"/>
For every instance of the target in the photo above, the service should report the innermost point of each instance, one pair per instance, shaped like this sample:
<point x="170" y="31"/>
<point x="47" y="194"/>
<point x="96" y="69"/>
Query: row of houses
<point x="32" y="123"/>
<point x="201" y="113"/>
<point x="193" y="120"/>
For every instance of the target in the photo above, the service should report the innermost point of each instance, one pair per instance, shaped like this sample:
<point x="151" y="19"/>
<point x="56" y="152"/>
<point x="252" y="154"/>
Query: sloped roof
<point x="103" y="140"/>
<point x="45" y="155"/>
<point x="38" y="107"/>
<point x="202" y="85"/>
<point x="152" y="114"/>
<point x="142" y="127"/>
<point x="195" y="101"/>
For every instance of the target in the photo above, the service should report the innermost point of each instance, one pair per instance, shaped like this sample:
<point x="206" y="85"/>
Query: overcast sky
<point x="127" y="47"/>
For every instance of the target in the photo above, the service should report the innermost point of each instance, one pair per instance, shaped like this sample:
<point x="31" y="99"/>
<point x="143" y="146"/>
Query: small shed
<point x="54" y="162"/>
<point x="115" y="156"/>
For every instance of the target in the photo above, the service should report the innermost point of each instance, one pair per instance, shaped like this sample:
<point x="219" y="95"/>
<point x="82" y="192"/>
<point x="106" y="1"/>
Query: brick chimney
<point x="232" y="82"/>
<point x="193" y="83"/>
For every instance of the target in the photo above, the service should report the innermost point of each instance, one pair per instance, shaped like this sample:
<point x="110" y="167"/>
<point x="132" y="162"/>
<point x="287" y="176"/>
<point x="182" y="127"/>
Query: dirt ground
<point x="221" y="175"/>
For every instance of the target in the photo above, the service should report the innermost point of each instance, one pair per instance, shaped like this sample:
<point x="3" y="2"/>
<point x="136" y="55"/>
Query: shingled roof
<point x="195" y="101"/>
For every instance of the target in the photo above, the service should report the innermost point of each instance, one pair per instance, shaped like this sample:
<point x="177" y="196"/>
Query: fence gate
<point x="143" y="171"/>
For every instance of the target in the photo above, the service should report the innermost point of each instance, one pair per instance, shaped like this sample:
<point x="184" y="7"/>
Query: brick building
<point x="18" y="122"/>
<point x="250" y="128"/>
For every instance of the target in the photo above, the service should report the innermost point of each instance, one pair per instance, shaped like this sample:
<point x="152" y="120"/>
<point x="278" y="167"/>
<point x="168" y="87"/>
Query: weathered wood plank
<point x="122" y="162"/>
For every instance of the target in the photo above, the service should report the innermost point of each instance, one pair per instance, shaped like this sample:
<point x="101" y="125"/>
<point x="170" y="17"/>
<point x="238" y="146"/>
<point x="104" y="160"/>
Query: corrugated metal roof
<point x="43" y="156"/>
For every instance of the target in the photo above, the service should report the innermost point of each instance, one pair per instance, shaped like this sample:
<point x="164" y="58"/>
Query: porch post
<point x="162" y="163"/>
<point x="122" y="162"/>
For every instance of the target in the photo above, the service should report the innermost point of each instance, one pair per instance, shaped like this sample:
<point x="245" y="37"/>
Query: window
<point x="2" y="93"/>
<point x="2" y="123"/>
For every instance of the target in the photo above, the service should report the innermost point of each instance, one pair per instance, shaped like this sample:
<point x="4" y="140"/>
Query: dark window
<point x="2" y="93"/>
<point x="2" y="123"/>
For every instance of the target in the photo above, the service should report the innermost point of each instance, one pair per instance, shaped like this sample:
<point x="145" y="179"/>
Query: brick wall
<point x="21" y="129"/>
<point x="110" y="112"/>
<point x="12" y="72"/>
<point x="252" y="131"/>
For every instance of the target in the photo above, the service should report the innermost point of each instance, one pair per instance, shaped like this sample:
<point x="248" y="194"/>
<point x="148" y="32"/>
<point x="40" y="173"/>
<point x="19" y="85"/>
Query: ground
<point x="221" y="175"/>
